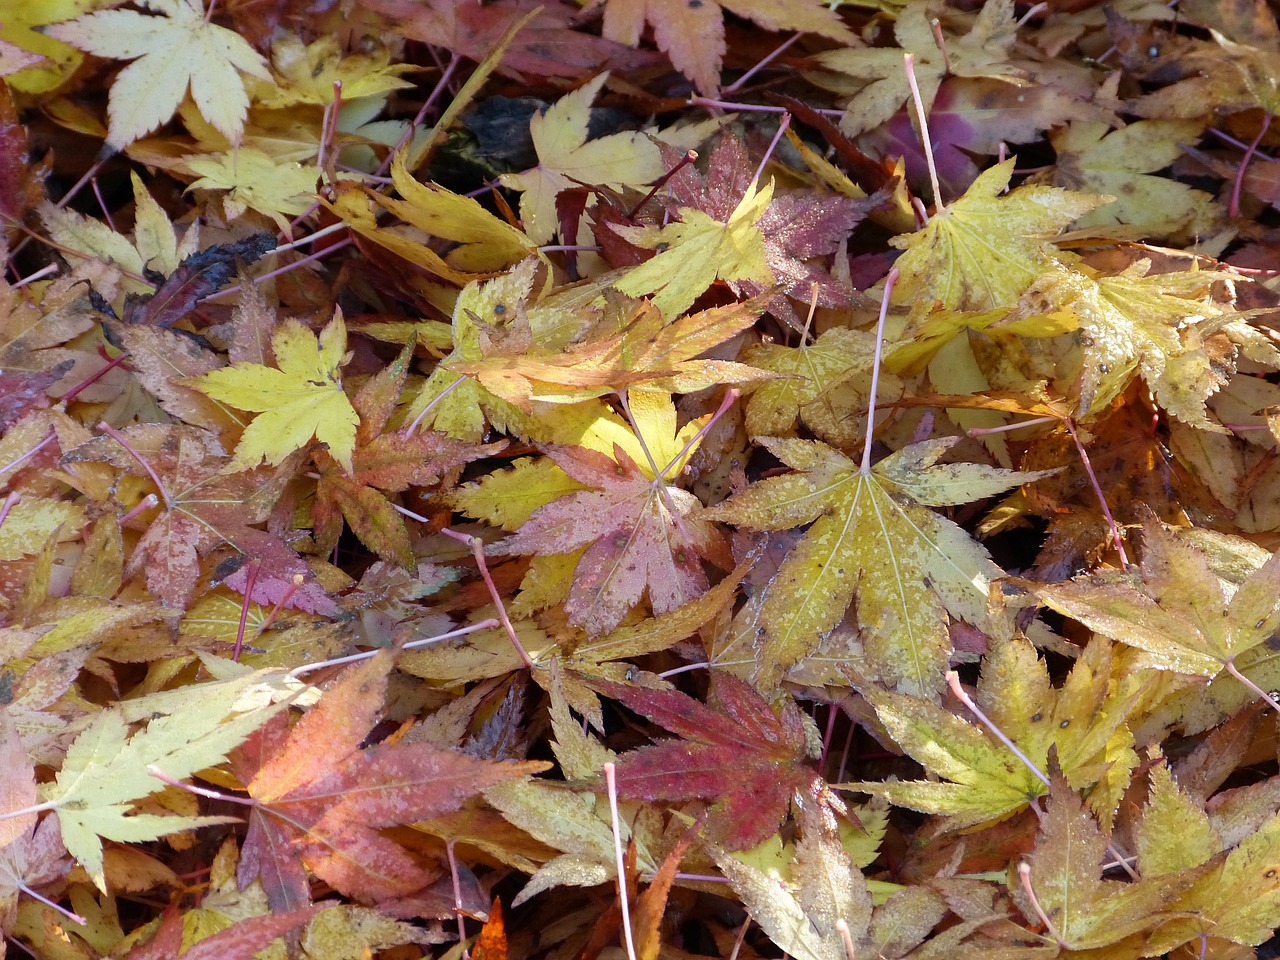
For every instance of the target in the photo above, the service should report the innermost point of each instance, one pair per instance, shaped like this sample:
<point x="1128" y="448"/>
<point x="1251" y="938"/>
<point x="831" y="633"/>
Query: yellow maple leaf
<point x="171" y="53"/>
<point x="279" y="188"/>
<point x="698" y="251"/>
<point x="566" y="157"/>
<point x="984" y="250"/>
<point x="303" y="398"/>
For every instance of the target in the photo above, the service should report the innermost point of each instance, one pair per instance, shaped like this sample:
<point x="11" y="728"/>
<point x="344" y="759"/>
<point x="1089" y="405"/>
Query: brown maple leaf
<point x="741" y="755"/>
<point x="319" y="800"/>
<point x="640" y="534"/>
<point x="202" y="508"/>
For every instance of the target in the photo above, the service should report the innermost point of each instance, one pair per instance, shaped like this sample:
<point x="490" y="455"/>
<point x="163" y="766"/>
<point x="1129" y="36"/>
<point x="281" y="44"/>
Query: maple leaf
<point x="1235" y="894"/>
<point x="641" y="535"/>
<point x="1175" y="608"/>
<point x="984" y="250"/>
<point x="1087" y="912"/>
<point x="482" y="243"/>
<point x="734" y="751"/>
<point x="1121" y="163"/>
<point x="982" y="52"/>
<point x="798" y="228"/>
<point x="1168" y="327"/>
<point x="801" y="913"/>
<point x="31" y="852"/>
<point x="1082" y="722"/>
<point x="825" y="381"/>
<point x="320" y="800"/>
<point x="383" y="462"/>
<point x="306" y="73"/>
<point x="646" y="351"/>
<point x="302" y="397"/>
<point x="254" y="180"/>
<point x="872" y="537"/>
<point x="172" y="52"/>
<point x="697" y="251"/>
<point x="106" y="771"/>
<point x="693" y="36"/>
<point x="547" y="47"/>
<point x="566" y="158"/>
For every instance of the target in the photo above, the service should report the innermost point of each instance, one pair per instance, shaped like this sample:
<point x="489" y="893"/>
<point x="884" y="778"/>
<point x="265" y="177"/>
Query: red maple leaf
<point x="320" y="801"/>
<point x="741" y="755"/>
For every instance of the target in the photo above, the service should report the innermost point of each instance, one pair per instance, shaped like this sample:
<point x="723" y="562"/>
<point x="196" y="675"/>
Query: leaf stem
<point x="457" y="896"/>
<point x="476" y="546"/>
<point x="10" y="502"/>
<point x="1024" y="874"/>
<point x="846" y="938"/>
<point x="764" y="161"/>
<point x="1231" y="669"/>
<point x="611" y="788"/>
<point x="953" y="681"/>
<point x="909" y="64"/>
<point x="889" y="282"/>
<point x="1116" y="536"/>
<point x="1233" y="207"/>
<point x="119" y="438"/>
<point x="367" y="654"/>
<point x="163" y="777"/>
<point x="407" y="432"/>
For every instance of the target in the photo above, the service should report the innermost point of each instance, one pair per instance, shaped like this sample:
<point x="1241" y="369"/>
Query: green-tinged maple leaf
<point x="881" y="87"/>
<point x="1121" y="163"/>
<point x="106" y="771"/>
<point x="1167" y="327"/>
<point x="735" y="751"/>
<point x="320" y="800"/>
<point x="824" y="386"/>
<point x="301" y="399"/>
<point x="577" y="823"/>
<point x="460" y="405"/>
<point x="171" y="52"/>
<point x="800" y="914"/>
<point x="645" y="351"/>
<point x="1083" y="721"/>
<point x="984" y="250"/>
<point x="697" y="251"/>
<point x="641" y="536"/>
<point x="693" y="36"/>
<point x="873" y="538"/>
<point x="1087" y="912"/>
<point x="383" y="462"/>
<point x="306" y="73"/>
<point x="1235" y="895"/>
<point x="1174" y="607"/>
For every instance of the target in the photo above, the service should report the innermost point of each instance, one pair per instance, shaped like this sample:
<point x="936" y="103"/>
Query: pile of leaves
<point x="639" y="478"/>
